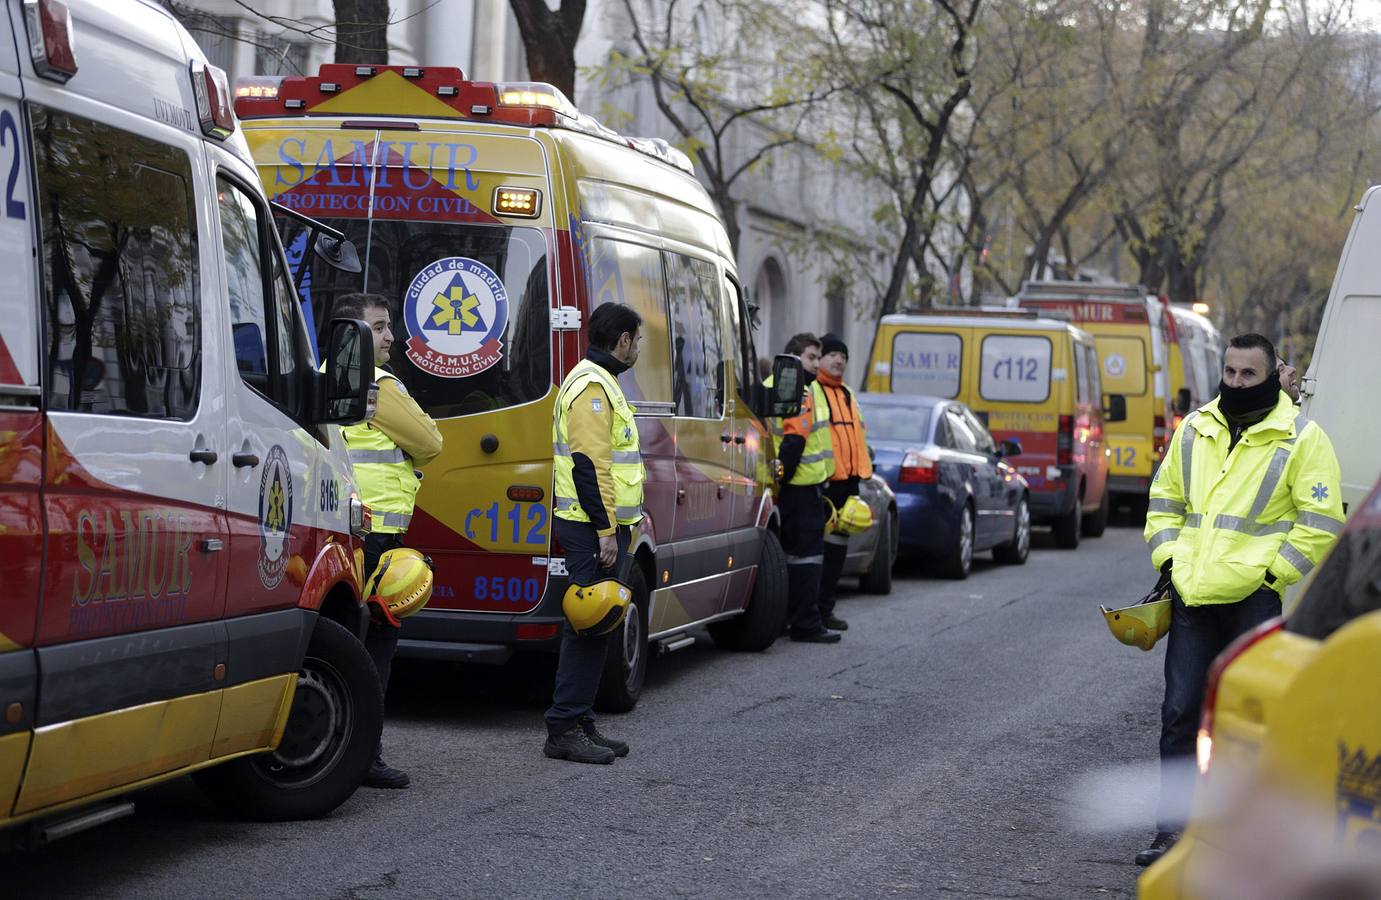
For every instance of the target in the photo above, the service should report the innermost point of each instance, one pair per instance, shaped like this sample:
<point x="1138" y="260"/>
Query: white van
<point x="177" y="515"/>
<point x="1339" y="390"/>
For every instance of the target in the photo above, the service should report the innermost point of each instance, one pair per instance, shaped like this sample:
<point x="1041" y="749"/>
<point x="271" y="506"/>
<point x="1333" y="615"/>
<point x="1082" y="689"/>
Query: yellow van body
<point x="1029" y="378"/>
<point x="1130" y="330"/>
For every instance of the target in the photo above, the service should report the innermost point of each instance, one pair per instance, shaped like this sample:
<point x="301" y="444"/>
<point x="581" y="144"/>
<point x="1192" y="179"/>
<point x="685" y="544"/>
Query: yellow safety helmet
<point x="1143" y="623"/>
<point x="401" y="584"/>
<point x="855" y="516"/>
<point x="595" y="609"/>
<point x="831" y="516"/>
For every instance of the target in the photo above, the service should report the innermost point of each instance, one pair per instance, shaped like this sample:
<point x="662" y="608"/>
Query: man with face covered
<point x="1245" y="503"/>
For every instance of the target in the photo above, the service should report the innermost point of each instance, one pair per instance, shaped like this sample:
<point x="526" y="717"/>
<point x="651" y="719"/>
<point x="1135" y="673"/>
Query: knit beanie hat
<point x="832" y="343"/>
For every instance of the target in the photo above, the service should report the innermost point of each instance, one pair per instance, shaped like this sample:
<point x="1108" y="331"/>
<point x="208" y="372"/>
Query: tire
<point x="1096" y="524"/>
<point x="1015" y="552"/>
<point x="878" y="578"/>
<point x="1068" y="526"/>
<point x="765" y="618"/>
<point x="960" y="559"/>
<point x="329" y="742"/>
<point x="625" y="660"/>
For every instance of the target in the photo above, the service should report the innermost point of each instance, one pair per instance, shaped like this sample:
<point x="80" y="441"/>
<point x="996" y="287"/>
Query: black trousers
<point x="382" y="638"/>
<point x="803" y="539"/>
<point x="836" y="546"/>
<point x="581" y="662"/>
<point x="1197" y="635"/>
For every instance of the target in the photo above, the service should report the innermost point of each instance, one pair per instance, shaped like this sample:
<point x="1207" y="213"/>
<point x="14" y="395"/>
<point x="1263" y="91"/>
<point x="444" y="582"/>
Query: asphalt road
<point x="944" y="748"/>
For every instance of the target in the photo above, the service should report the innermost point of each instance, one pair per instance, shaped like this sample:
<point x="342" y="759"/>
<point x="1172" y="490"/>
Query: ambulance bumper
<point x="482" y="638"/>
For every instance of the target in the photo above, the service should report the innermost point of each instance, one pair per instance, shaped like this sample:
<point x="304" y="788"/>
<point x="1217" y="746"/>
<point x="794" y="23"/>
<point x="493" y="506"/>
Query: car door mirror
<point x="1183" y="401"/>
<point x="346" y="392"/>
<point x="1009" y="447"/>
<point x="788" y="383"/>
<point x="1114" y="408"/>
<point x="337" y="252"/>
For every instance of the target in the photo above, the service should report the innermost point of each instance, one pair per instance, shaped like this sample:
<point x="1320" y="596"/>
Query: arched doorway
<point x="769" y="292"/>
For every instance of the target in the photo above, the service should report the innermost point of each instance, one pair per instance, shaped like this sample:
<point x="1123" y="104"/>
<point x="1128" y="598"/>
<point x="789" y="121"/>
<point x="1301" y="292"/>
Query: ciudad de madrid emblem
<point x="456" y="310"/>
<point x="275" y="516"/>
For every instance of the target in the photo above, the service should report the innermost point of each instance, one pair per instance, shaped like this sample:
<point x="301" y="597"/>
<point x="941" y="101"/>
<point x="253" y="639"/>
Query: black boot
<point x="834" y="622"/>
<point x="382" y="775"/>
<point x="574" y="744"/>
<point x="587" y="724"/>
<point x="1159" y="847"/>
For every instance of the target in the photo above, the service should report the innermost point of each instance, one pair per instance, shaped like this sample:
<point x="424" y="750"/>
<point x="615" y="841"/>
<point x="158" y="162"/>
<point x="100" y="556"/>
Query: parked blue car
<point x="956" y="494"/>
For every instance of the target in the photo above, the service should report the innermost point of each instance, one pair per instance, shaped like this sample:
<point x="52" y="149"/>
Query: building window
<point x="276" y="55"/>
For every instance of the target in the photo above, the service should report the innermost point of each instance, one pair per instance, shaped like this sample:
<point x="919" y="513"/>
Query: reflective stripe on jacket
<point x="1228" y="516"/>
<point x="813" y="424"/>
<point x="625" y="465"/>
<point x="383" y="472"/>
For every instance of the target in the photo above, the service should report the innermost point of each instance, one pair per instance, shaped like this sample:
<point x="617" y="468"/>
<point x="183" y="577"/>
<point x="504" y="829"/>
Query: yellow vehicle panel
<point x="1124" y="352"/>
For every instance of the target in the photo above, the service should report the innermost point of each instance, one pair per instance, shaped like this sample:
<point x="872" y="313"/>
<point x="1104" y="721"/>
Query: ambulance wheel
<point x="1096" y="524"/>
<point x="1068" y="527"/>
<point x="327" y="746"/>
<point x="960" y="559"/>
<point x="761" y="623"/>
<point x="878" y="578"/>
<point x="625" y="659"/>
<point x="1015" y="552"/>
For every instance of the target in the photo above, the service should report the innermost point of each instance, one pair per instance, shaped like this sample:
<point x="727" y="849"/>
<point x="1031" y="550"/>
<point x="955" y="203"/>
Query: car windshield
<point x="468" y="305"/>
<point x="896" y="422"/>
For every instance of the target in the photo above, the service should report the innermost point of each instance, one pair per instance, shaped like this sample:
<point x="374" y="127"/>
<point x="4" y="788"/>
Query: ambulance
<point x="178" y="523"/>
<point x="494" y="218"/>
<point x="1131" y="332"/>
<point x="1030" y="378"/>
<point x="1196" y="361"/>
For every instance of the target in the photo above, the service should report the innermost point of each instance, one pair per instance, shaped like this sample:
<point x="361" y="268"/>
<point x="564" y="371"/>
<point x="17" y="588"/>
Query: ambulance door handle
<point x="206" y="457"/>
<point x="244" y="459"/>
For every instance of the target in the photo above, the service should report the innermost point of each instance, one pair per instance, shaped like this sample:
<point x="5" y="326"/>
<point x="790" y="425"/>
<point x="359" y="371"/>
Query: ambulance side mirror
<point x="345" y="391"/>
<point x="1115" y="408"/>
<point x="788" y="384"/>
<point x="1183" y="400"/>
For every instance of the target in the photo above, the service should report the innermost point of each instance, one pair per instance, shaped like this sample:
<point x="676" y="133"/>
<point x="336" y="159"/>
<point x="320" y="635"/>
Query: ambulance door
<point x="21" y="435"/>
<point x="746" y="445"/>
<point x="273" y="460"/>
<point x="130" y="646"/>
<point x="704" y="441"/>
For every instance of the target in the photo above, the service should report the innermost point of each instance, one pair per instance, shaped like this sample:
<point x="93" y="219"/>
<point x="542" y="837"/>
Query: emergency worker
<point x="1245" y="503"/>
<point x="599" y="496"/>
<point x="849" y="442"/>
<point x="385" y="453"/>
<point x="807" y="458"/>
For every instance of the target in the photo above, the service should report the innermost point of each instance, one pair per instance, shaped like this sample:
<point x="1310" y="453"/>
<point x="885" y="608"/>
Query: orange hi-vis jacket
<point x="847" y="434"/>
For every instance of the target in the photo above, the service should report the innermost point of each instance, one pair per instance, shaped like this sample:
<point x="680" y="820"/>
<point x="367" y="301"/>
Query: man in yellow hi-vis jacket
<point x="385" y="453"/>
<point x="1244" y="504"/>
<point x="598" y="478"/>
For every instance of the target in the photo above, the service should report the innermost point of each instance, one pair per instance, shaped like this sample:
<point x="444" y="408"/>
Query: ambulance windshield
<point x="468" y="306"/>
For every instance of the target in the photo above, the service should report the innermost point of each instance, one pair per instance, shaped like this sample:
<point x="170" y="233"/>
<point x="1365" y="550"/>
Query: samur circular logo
<point x="275" y="516"/>
<point x="456" y="310"/>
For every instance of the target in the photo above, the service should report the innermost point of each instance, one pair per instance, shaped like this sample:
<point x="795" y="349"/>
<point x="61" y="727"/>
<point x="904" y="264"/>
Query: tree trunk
<point x="362" y="32"/>
<point x="549" y="37"/>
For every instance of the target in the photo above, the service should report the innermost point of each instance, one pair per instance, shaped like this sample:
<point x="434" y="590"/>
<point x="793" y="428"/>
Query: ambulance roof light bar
<point x="529" y="104"/>
<point x="49" y="24"/>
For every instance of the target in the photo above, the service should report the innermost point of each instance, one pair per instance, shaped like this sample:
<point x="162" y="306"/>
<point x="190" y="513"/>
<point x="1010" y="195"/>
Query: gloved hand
<point x="1164" y="581"/>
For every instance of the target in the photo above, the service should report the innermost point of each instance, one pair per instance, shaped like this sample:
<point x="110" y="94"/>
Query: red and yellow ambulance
<point x="494" y="218"/>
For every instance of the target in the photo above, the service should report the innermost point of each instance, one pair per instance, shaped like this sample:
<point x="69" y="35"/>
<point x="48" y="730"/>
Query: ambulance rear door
<point x="21" y="430"/>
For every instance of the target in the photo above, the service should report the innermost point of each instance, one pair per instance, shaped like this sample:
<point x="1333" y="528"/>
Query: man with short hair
<point x="1289" y="378"/>
<point x="852" y="464"/>
<point x="807" y="458"/>
<point x="385" y="454"/>
<point x="1244" y="504"/>
<point x="598" y="476"/>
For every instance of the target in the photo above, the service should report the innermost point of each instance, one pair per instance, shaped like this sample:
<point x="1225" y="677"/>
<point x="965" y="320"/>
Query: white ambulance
<point x="1339" y="390"/>
<point x="177" y="516"/>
